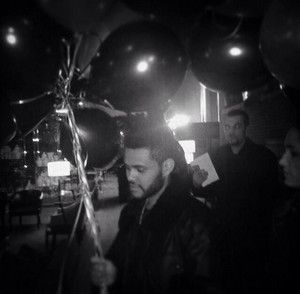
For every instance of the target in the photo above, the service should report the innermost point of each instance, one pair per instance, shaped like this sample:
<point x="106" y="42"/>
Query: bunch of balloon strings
<point x="63" y="91"/>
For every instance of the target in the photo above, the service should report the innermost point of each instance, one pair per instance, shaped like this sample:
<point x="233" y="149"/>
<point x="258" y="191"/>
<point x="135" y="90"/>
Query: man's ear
<point x="168" y="166"/>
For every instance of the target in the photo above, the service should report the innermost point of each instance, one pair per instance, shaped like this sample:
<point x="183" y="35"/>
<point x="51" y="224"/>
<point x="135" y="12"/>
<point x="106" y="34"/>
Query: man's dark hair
<point x="242" y="113"/>
<point x="159" y="139"/>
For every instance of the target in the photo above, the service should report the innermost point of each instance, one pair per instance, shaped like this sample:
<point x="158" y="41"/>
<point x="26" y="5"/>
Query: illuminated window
<point x="189" y="148"/>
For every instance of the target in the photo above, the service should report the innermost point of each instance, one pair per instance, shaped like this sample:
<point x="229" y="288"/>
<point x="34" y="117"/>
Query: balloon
<point x="268" y="92"/>
<point x="280" y="41"/>
<point x="243" y="8"/>
<point x="8" y="124"/>
<point x="139" y="66"/>
<point x="293" y="95"/>
<point x="117" y="16"/>
<point x="31" y="112"/>
<point x="87" y="49"/>
<point x="225" y="54"/>
<point x="31" y="54"/>
<point x="179" y="15"/>
<point x="77" y="15"/>
<point x="184" y="8"/>
<point x="99" y="137"/>
<point x="231" y="100"/>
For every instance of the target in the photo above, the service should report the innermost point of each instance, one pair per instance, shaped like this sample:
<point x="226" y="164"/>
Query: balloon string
<point x="64" y="91"/>
<point x="18" y="102"/>
<point x="36" y="125"/>
<point x="68" y="58"/>
<point x="71" y="237"/>
<point x="73" y="64"/>
<point x="83" y="178"/>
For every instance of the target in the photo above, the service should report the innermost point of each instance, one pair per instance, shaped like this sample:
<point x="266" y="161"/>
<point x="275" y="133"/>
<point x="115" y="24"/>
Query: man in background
<point x="242" y="201"/>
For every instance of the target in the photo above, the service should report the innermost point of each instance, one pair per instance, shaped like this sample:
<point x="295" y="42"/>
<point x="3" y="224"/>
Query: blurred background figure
<point x="286" y="219"/>
<point x="242" y="201"/>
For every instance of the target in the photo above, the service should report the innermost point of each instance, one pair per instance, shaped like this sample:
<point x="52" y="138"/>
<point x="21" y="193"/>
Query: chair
<point x="25" y="202"/>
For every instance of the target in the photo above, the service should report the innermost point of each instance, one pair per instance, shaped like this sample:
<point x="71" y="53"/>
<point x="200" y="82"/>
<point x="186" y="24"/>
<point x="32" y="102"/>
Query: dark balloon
<point x="225" y="54"/>
<point x="77" y="15"/>
<point x="87" y="50"/>
<point x="268" y="92"/>
<point x="8" y="124"/>
<point x="117" y="16"/>
<point x="243" y="8"/>
<point x="293" y="96"/>
<point x="31" y="112"/>
<point x="280" y="41"/>
<point x="99" y="137"/>
<point x="232" y="99"/>
<point x="182" y="8"/>
<point x="31" y="50"/>
<point x="139" y="66"/>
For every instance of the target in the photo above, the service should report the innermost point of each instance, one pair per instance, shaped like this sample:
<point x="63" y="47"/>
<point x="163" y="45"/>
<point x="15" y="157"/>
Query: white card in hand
<point x="204" y="162"/>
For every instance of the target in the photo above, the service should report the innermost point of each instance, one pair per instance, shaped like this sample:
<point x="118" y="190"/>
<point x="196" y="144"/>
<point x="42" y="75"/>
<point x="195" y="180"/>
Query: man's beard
<point x="155" y="187"/>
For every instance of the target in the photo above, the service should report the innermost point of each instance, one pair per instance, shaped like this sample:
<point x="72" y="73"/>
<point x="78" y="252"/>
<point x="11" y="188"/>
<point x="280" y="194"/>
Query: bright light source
<point x="179" y="120"/>
<point x="58" y="168"/>
<point x="245" y="95"/>
<point x="35" y="140"/>
<point x="142" y="66"/>
<point x="235" y="51"/>
<point x="11" y="39"/>
<point x="62" y="111"/>
<point x="188" y="146"/>
<point x="189" y="157"/>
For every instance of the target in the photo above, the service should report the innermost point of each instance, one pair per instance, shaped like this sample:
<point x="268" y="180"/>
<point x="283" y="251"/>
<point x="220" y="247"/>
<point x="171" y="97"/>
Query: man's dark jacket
<point x="169" y="252"/>
<point x="242" y="202"/>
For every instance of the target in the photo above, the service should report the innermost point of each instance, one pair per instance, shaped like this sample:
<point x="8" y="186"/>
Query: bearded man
<point x="163" y="243"/>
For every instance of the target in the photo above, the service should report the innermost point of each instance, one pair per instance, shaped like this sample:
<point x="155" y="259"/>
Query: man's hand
<point x="103" y="271"/>
<point x="199" y="176"/>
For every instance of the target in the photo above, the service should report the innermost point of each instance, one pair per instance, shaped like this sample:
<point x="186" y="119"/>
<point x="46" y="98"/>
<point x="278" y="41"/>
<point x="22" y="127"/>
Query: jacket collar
<point x="166" y="210"/>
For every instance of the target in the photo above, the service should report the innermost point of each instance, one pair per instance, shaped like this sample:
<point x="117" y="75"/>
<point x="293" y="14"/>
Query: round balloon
<point x="280" y="41"/>
<point x="268" y="92"/>
<point x="77" y="15"/>
<point x="31" y="52"/>
<point x="187" y="8"/>
<point x="117" y="16"/>
<point x="225" y="54"/>
<point x="243" y="8"/>
<point x="139" y="66"/>
<point x="293" y="95"/>
<point x="99" y="137"/>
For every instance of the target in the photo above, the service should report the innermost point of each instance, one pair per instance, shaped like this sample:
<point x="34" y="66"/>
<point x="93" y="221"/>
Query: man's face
<point x="234" y="130"/>
<point x="143" y="173"/>
<point x="290" y="160"/>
